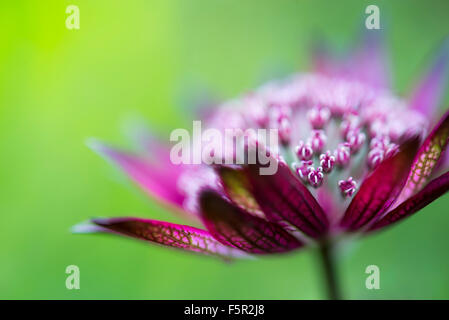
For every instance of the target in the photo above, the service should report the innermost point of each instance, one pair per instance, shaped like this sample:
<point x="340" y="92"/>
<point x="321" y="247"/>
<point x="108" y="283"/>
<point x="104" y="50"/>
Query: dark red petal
<point x="165" y="233"/>
<point x="379" y="190"/>
<point x="235" y="227"/>
<point x="283" y="197"/>
<point x="237" y="188"/>
<point x="427" y="158"/>
<point x="435" y="189"/>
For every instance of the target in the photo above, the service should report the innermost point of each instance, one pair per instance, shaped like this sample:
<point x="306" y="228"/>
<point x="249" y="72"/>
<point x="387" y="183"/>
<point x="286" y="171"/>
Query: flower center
<point x="343" y="142"/>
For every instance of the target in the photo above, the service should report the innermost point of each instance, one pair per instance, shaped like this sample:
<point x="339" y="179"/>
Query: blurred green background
<point x="60" y="86"/>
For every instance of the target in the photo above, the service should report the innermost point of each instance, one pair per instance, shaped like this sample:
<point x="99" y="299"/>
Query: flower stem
<point x="329" y="267"/>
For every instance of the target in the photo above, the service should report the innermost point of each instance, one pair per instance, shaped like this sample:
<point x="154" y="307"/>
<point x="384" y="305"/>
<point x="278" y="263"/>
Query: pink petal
<point x="158" y="180"/>
<point x="324" y="60"/>
<point x="370" y="63"/>
<point x="235" y="227"/>
<point x="379" y="190"/>
<point x="167" y="234"/>
<point x="427" y="158"/>
<point x="428" y="93"/>
<point x="283" y="197"/>
<point x="435" y="189"/>
<point x="147" y="140"/>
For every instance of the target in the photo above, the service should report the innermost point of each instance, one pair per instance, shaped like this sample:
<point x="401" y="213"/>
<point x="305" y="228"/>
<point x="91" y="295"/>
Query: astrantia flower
<point x="354" y="158"/>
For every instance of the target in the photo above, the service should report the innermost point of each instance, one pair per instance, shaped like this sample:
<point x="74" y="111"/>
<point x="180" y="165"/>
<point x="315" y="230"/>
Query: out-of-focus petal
<point x="435" y="189"/>
<point x="159" y="180"/>
<point x="283" y="198"/>
<point x="147" y="140"/>
<point x="323" y="60"/>
<point x="370" y="63"/>
<point x="235" y="227"/>
<point x="167" y="234"/>
<point x="427" y="158"/>
<point x="380" y="189"/>
<point x="427" y="94"/>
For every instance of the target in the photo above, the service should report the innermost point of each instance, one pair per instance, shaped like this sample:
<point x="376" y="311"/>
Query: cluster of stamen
<point x="315" y="176"/>
<point x="302" y="169"/>
<point x="353" y="139"/>
<point x="318" y="116"/>
<point x="347" y="187"/>
<point x="279" y="118"/>
<point x="317" y="140"/>
<point x="327" y="162"/>
<point x="380" y="149"/>
<point x="304" y="150"/>
<point x="352" y="130"/>
<point x="350" y="122"/>
<point x="344" y="121"/>
<point x="343" y="154"/>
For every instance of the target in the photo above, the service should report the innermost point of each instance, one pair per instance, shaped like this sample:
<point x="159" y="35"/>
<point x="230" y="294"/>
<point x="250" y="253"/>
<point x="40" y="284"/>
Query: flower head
<point x="344" y="136"/>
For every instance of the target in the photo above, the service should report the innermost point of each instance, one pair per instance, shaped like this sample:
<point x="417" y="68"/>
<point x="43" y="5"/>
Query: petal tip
<point x="96" y="145"/>
<point x="85" y="227"/>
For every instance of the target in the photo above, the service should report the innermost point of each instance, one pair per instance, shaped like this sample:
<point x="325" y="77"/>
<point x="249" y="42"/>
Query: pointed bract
<point x="427" y="158"/>
<point x="168" y="234"/>
<point x="233" y="226"/>
<point x="157" y="180"/>
<point x="236" y="186"/>
<point x="435" y="189"/>
<point x="283" y="197"/>
<point x="380" y="189"/>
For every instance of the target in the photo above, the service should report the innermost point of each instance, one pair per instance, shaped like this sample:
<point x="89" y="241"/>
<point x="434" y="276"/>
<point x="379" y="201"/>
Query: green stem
<point x="329" y="267"/>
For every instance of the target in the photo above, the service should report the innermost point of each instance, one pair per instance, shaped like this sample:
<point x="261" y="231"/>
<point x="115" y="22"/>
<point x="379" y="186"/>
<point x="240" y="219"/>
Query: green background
<point x="151" y="58"/>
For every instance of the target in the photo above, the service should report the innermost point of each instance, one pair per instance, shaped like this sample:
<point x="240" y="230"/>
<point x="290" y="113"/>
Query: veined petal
<point x="157" y="180"/>
<point x="167" y="234"/>
<point x="235" y="227"/>
<point x="283" y="197"/>
<point x="428" y="93"/>
<point x="427" y="158"/>
<point x="236" y="186"/>
<point x="380" y="189"/>
<point x="435" y="189"/>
